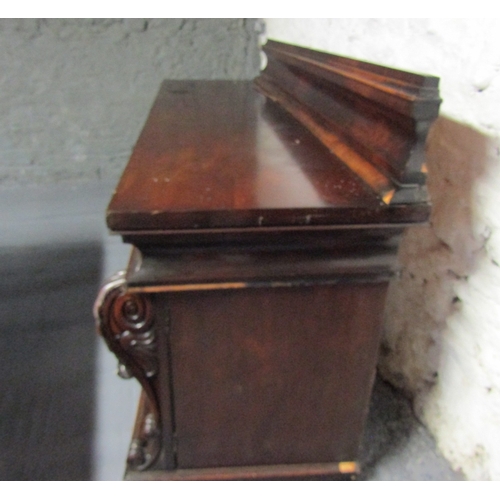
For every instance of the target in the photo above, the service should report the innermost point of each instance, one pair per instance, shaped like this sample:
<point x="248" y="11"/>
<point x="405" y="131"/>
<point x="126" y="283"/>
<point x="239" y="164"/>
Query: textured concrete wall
<point x="74" y="94"/>
<point x="442" y="329"/>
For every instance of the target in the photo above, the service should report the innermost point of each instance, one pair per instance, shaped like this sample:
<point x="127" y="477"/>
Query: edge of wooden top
<point x="372" y="119"/>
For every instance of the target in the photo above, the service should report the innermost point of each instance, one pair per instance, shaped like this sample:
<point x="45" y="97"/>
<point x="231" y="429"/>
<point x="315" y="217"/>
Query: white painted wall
<point x="442" y="329"/>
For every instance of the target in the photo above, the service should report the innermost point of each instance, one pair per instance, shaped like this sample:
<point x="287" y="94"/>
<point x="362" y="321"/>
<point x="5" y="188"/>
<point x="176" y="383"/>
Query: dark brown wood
<point x="146" y="443"/>
<point x="265" y="233"/>
<point x="126" y="322"/>
<point x="340" y="471"/>
<point x="346" y="139"/>
<point x="310" y="236"/>
<point x="227" y="164"/>
<point x="185" y="271"/>
<point x="235" y="162"/>
<point x="273" y="376"/>
<point x="373" y="119"/>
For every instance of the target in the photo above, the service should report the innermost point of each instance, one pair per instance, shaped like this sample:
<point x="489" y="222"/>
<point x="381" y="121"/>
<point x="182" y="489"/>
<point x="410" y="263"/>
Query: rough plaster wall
<point x="442" y="328"/>
<point x="74" y="94"/>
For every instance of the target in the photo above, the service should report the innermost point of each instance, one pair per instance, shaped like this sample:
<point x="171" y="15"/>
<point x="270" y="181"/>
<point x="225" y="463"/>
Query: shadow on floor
<point x="396" y="447"/>
<point x="48" y="361"/>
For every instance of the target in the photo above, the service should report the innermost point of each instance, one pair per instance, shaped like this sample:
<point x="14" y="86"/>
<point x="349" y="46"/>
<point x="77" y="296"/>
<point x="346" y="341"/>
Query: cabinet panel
<point x="272" y="375"/>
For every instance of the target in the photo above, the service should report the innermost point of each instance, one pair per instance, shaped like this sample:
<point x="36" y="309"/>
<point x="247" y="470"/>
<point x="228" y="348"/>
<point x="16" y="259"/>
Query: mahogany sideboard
<point x="265" y="219"/>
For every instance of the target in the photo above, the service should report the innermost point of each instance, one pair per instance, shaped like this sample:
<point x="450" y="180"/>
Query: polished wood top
<point x="373" y="118"/>
<point x="216" y="154"/>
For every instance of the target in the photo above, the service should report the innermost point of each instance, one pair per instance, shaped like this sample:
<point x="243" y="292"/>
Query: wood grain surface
<point x="217" y="155"/>
<point x="272" y="376"/>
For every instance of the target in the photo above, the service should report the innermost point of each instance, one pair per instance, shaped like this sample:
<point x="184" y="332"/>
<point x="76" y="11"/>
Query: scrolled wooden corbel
<point x="126" y="322"/>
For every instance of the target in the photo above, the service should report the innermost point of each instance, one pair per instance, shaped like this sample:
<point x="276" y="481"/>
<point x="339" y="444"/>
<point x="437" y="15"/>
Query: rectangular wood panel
<point x="272" y="376"/>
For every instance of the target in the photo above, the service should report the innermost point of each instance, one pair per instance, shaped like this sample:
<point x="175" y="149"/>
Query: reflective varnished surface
<point x="218" y="155"/>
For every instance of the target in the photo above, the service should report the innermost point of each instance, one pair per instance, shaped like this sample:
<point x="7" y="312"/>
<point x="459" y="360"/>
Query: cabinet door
<point x="270" y="375"/>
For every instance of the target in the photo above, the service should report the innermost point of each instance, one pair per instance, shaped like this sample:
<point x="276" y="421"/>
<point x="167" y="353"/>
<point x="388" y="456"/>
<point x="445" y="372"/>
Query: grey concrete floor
<point x="64" y="413"/>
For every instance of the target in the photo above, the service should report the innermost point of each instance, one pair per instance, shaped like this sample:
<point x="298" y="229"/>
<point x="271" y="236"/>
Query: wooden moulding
<point x="208" y="269"/>
<point x="341" y="470"/>
<point x="372" y="118"/>
<point x="139" y="453"/>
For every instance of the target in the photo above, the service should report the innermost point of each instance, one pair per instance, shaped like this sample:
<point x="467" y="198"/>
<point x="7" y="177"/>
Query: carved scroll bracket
<point x="145" y="447"/>
<point x="125" y="321"/>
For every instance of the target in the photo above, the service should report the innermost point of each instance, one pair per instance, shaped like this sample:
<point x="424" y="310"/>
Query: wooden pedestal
<point x="252" y="305"/>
